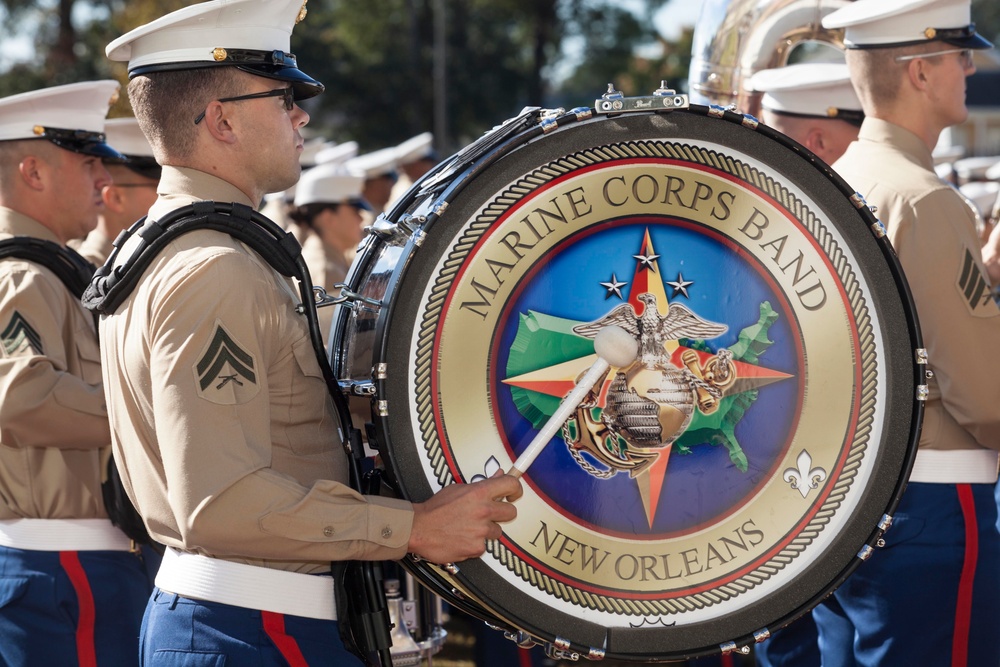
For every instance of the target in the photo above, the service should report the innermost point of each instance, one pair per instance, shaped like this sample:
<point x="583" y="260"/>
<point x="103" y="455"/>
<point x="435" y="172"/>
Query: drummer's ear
<point x="216" y="121"/>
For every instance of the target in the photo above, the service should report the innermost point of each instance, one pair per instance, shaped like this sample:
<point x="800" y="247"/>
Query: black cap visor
<point x="276" y="65"/>
<point x="81" y="141"/>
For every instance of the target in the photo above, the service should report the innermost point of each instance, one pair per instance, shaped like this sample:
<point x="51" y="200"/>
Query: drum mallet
<point x="614" y="347"/>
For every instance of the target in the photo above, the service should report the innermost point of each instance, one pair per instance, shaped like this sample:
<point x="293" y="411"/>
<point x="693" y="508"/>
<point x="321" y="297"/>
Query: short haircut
<point x="877" y="76"/>
<point x="166" y="103"/>
<point x="14" y="151"/>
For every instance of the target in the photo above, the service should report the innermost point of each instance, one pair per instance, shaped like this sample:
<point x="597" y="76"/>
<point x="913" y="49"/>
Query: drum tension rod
<point x="323" y="298"/>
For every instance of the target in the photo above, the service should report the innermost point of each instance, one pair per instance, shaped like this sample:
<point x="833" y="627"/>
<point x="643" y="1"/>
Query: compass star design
<point x="614" y="287"/>
<point x="680" y="285"/>
<point x="647" y="260"/>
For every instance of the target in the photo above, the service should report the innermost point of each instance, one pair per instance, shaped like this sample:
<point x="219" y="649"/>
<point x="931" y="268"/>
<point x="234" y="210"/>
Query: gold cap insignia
<point x="219" y="54"/>
<point x="38" y="129"/>
<point x="832" y="112"/>
<point x="930" y="33"/>
<point x="114" y="97"/>
<point x="302" y="13"/>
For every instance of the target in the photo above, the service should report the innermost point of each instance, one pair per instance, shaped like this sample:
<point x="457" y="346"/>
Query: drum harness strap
<point x="358" y="585"/>
<point x="75" y="273"/>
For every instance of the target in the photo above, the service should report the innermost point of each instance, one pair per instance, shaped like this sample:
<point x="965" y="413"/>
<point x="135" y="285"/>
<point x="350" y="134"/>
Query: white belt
<point x="63" y="535"/>
<point x="248" y="586"/>
<point x="957" y="466"/>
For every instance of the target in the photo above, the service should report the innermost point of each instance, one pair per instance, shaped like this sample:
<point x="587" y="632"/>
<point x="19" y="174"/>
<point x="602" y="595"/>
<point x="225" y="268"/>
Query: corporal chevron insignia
<point x="20" y="336"/>
<point x="225" y="372"/>
<point x="974" y="288"/>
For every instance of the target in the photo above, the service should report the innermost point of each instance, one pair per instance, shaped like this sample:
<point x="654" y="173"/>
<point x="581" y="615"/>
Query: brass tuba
<point x="734" y="39"/>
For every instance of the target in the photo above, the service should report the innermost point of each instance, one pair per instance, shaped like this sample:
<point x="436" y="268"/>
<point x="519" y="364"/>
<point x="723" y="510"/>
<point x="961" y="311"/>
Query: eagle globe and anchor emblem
<point x="650" y="403"/>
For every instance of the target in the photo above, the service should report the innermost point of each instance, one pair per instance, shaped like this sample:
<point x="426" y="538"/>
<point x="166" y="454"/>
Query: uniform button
<point x="386" y="533"/>
<point x="328" y="531"/>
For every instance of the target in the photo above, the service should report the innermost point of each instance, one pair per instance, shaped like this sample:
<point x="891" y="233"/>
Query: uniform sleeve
<point x="245" y="481"/>
<point x="959" y="321"/>
<point x="50" y="375"/>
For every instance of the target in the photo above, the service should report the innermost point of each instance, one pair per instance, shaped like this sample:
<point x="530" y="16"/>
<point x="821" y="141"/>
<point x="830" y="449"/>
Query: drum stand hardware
<point x="358" y="387"/>
<point x="663" y="99"/>
<point x="323" y="298"/>
<point x="405" y="651"/>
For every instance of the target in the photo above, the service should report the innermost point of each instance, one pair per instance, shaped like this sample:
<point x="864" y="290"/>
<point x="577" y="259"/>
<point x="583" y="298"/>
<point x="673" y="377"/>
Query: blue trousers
<point x="931" y="596"/>
<point x="178" y="631"/>
<point x="71" y="608"/>
<point x="796" y="645"/>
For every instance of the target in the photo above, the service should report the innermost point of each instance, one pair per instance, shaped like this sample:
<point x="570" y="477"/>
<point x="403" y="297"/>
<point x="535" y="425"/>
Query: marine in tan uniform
<point x="225" y="431"/>
<point x="328" y="202"/>
<point x="131" y="192"/>
<point x="813" y="103"/>
<point x="931" y="596"/>
<point x="71" y="590"/>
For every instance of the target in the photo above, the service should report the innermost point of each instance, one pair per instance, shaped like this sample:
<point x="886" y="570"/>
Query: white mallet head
<point x="616" y="346"/>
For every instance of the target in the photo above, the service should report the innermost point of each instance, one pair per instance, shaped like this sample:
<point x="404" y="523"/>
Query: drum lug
<point x="358" y="387"/>
<point x="886" y="522"/>
<point x="521" y="638"/>
<point x="866" y="552"/>
<point x="381" y="371"/>
<point x="559" y="650"/>
<point x="731" y="647"/>
<point x="383" y="408"/>
<point x="761" y="635"/>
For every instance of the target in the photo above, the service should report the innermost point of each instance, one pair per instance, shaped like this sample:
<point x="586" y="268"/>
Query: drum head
<point x="723" y="482"/>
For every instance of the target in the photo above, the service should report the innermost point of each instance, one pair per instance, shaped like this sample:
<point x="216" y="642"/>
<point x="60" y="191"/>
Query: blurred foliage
<point x="379" y="58"/>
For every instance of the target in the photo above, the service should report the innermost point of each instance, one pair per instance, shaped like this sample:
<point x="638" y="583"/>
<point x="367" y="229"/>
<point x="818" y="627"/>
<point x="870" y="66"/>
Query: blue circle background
<point x="704" y="485"/>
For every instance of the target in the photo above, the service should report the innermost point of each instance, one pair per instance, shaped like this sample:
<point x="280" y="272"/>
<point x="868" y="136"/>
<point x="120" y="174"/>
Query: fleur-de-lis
<point x="804" y="478"/>
<point x="489" y="469"/>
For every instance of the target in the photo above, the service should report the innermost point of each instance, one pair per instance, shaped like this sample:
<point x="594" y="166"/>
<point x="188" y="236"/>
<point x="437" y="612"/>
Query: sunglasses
<point x="287" y="95"/>
<point x="965" y="55"/>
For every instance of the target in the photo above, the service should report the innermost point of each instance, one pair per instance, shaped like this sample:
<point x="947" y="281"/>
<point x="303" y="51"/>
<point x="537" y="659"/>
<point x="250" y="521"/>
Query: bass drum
<point x="717" y="487"/>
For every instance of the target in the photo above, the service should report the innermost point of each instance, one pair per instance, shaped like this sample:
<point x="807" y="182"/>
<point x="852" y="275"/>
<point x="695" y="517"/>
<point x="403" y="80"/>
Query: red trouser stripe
<point x="274" y="626"/>
<point x="963" y="607"/>
<point x="85" y="652"/>
<point x="727" y="660"/>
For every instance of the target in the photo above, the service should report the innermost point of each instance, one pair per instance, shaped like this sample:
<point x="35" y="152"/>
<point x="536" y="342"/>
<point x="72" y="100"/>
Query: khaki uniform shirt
<point x="54" y="436"/>
<point x="222" y="424"/>
<point x="933" y="233"/>
<point x="95" y="248"/>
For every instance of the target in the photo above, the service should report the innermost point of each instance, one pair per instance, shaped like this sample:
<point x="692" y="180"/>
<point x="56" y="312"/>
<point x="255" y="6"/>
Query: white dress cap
<point x="252" y="35"/>
<point x="822" y="90"/>
<point x="886" y="23"/>
<point x="125" y="137"/>
<point x="330" y="184"/>
<point x="377" y="163"/>
<point x="338" y="154"/>
<point x="70" y="116"/>
<point x="311" y="148"/>
<point x="415" y="148"/>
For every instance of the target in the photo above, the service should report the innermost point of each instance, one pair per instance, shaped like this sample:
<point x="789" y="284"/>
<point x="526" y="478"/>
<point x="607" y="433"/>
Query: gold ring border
<point x="867" y="352"/>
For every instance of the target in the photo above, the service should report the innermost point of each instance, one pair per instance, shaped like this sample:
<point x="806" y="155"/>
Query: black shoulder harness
<point x="111" y="284"/>
<point x="73" y="270"/>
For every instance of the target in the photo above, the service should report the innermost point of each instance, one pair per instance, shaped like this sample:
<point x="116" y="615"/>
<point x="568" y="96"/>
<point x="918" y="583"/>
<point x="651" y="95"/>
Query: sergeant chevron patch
<point x="225" y="372"/>
<point x="975" y="289"/>
<point x="19" y="336"/>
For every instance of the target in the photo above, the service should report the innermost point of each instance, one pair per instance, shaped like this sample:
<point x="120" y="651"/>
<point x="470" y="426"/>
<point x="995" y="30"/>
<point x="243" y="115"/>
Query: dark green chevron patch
<point x="221" y="351"/>
<point x="19" y="335"/>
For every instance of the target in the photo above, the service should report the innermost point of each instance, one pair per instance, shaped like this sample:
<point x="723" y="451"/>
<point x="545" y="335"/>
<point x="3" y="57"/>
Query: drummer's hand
<point x="454" y="524"/>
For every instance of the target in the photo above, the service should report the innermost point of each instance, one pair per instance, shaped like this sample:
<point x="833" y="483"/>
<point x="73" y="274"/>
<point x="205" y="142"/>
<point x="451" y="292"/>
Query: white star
<point x="646" y="261"/>
<point x="680" y="285"/>
<point x="614" y="287"/>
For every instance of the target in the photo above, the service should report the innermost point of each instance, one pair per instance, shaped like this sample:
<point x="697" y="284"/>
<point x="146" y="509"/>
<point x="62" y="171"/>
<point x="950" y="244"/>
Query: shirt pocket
<point x="311" y="428"/>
